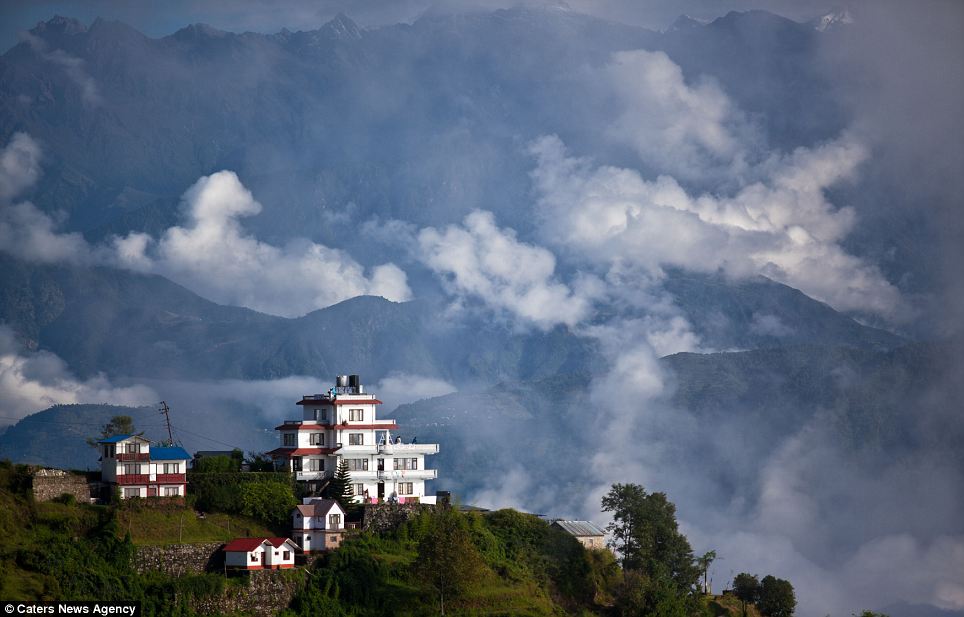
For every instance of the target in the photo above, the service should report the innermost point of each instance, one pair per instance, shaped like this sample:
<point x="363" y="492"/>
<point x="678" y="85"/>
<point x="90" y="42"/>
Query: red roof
<point x="246" y="545"/>
<point x="300" y="451"/>
<point x="336" y="427"/>
<point x="338" y="401"/>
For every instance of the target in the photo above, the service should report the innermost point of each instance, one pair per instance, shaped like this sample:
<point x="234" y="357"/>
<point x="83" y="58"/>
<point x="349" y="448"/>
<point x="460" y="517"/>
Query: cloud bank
<point x="216" y="258"/>
<point x="32" y="381"/>
<point x="212" y="254"/>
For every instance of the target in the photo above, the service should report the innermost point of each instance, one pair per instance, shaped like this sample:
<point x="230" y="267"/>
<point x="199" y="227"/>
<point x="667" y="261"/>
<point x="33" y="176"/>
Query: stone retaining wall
<point x="266" y="593"/>
<point x="180" y="559"/>
<point x="49" y="484"/>
<point x="382" y="517"/>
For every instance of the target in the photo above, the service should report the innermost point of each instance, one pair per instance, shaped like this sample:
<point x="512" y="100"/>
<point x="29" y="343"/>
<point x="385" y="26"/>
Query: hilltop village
<point x="350" y="470"/>
<point x="339" y="519"/>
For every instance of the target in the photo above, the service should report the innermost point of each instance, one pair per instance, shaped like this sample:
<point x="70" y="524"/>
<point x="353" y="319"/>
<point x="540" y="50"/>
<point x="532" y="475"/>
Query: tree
<point x="260" y="462"/>
<point x="646" y="535"/>
<point x="340" y="489"/>
<point x="747" y="589"/>
<point x="216" y="464"/>
<point x="271" y="502"/>
<point x="447" y="559"/>
<point x="117" y="425"/>
<point x="776" y="597"/>
<point x="703" y="563"/>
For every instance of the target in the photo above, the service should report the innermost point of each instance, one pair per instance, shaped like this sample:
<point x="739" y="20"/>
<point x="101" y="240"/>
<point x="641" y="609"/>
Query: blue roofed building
<point x="141" y="470"/>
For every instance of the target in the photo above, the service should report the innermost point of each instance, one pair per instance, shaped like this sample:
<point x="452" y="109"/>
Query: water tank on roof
<point x="341" y="381"/>
<point x="354" y="381"/>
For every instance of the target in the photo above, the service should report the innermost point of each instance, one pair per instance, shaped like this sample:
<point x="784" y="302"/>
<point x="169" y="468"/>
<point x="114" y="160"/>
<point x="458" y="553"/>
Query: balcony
<point x="133" y="456"/>
<point x="408" y="448"/>
<point x="169" y="478"/>
<point x="408" y="474"/>
<point x="133" y="478"/>
<point x="312" y="475"/>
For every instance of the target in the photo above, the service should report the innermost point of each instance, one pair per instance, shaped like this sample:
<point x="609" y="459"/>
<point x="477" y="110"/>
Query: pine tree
<point x="340" y="489"/>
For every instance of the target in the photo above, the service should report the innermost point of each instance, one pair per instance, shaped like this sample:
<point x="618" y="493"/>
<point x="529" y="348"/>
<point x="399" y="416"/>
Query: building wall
<point x="594" y="542"/>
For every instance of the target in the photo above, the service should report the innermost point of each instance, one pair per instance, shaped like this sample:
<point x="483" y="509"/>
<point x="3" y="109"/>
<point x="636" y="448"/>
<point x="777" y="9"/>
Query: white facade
<point x="138" y="470"/>
<point x="343" y="424"/>
<point x="318" y="525"/>
<point x="260" y="553"/>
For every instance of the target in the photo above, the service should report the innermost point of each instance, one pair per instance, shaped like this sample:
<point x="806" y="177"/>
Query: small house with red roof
<point x="260" y="554"/>
<point x="318" y="525"/>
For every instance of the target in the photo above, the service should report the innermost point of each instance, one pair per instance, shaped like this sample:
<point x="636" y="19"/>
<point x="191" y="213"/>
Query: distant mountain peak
<point x="343" y="28"/>
<point x="832" y="20"/>
<point x="685" y="22"/>
<point x="59" y="24"/>
<point x="199" y="31"/>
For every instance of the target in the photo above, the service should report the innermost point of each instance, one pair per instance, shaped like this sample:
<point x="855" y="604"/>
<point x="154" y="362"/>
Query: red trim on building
<point x="290" y="451"/>
<point x="334" y="427"/>
<point x="338" y="401"/>
<point x="133" y="456"/>
<point x="170" y="478"/>
<point x="133" y="478"/>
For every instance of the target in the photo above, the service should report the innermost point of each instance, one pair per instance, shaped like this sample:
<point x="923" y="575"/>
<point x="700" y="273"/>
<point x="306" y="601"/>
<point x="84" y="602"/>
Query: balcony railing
<point x="133" y="456"/>
<point x="133" y="478"/>
<point x="312" y="475"/>
<point x="408" y="448"/>
<point x="170" y="478"/>
<point x="410" y="474"/>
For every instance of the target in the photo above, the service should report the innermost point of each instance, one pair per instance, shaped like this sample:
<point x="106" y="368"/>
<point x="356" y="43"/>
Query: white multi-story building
<point x="342" y="424"/>
<point x="140" y="470"/>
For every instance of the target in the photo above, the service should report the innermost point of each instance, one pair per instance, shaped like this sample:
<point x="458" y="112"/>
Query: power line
<point x="211" y="439"/>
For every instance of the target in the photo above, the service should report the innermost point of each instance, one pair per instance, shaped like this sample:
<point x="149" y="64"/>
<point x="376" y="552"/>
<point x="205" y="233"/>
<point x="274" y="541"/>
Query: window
<point x="254" y="557"/>
<point x="287" y="555"/>
<point x="134" y="448"/>
<point x="296" y="464"/>
<point x="316" y="464"/>
<point x="290" y="439"/>
<point x="132" y="469"/>
<point x="405" y="488"/>
<point x="359" y="489"/>
<point x="356" y="415"/>
<point x="334" y="521"/>
<point x="317" y="439"/>
<point x="307" y="538"/>
<point x="131" y="492"/>
<point x="356" y="439"/>
<point x="171" y="491"/>
<point x="406" y="463"/>
<point x="357" y="464"/>
<point x="172" y="468"/>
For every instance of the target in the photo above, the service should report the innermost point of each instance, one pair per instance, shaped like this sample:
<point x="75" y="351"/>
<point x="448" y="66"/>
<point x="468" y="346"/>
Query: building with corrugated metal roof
<point x="588" y="533"/>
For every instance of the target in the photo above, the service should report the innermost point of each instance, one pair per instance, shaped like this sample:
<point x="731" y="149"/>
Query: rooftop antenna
<point x="166" y="411"/>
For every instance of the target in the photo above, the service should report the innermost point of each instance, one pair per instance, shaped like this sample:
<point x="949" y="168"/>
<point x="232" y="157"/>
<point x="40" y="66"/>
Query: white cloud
<point x="19" y="166"/>
<point x="399" y="388"/>
<point x="691" y="131"/>
<point x="212" y="254"/>
<point x="480" y="260"/>
<point x="783" y="228"/>
<point x="72" y="66"/>
<point x="32" y="381"/>
<point x="215" y="257"/>
<point x="25" y="231"/>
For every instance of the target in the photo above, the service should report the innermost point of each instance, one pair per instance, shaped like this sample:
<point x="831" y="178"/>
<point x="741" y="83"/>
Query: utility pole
<point x="166" y="411"/>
